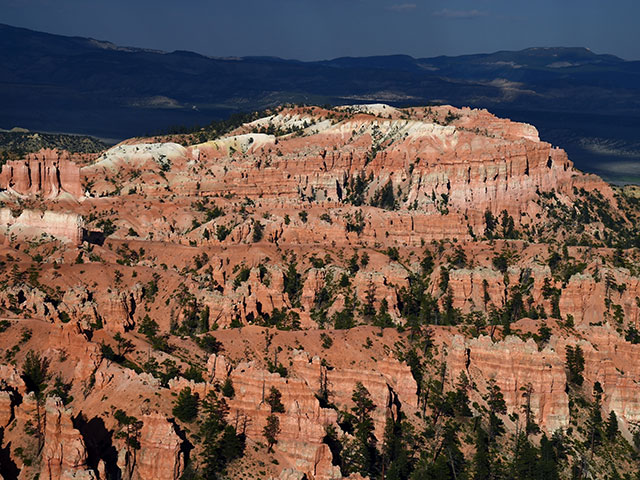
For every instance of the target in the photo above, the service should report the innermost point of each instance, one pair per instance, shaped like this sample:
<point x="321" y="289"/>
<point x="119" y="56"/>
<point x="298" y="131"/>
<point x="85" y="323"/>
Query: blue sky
<point x="322" y="29"/>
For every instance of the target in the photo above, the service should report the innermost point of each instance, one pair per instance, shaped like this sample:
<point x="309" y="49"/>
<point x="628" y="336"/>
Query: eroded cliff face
<point x="444" y="174"/>
<point x="34" y="224"/>
<point x="310" y="250"/>
<point x="304" y="421"/>
<point x="478" y="162"/>
<point x="161" y="453"/>
<point x="47" y="173"/>
<point x="511" y="363"/>
<point x="515" y="365"/>
<point x="587" y="298"/>
<point x="64" y="455"/>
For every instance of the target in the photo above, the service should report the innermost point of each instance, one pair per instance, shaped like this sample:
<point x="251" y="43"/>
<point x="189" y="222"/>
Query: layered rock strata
<point x="31" y="223"/>
<point x="47" y="173"/>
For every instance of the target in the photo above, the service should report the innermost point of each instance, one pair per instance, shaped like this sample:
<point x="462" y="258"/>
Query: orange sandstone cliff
<point x="426" y="254"/>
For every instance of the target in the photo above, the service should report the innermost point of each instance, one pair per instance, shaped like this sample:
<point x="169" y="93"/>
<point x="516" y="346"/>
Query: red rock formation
<point x="302" y="425"/>
<point x="117" y="308"/>
<point x="31" y="223"/>
<point x="582" y="297"/>
<point x="612" y="362"/>
<point x="167" y="205"/>
<point x="26" y="410"/>
<point x="388" y="378"/>
<point x="47" y="173"/>
<point x="11" y="378"/>
<point x="304" y="421"/>
<point x="500" y="170"/>
<point x="445" y="177"/>
<point x="81" y="309"/>
<point x="6" y="408"/>
<point x="514" y="364"/>
<point x="64" y="455"/>
<point x="28" y="299"/>
<point x="69" y="340"/>
<point x="160" y="455"/>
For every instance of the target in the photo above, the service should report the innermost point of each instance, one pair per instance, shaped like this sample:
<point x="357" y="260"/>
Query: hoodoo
<point x="47" y="173"/>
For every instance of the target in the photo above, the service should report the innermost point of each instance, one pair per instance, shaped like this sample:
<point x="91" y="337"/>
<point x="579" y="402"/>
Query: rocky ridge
<point x="411" y="251"/>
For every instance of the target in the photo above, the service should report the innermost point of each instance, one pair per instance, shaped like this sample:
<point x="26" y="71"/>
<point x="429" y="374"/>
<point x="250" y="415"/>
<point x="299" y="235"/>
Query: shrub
<point x="327" y="341"/>
<point x="384" y="197"/>
<point x="274" y="400"/>
<point x="186" y="407"/>
<point x="222" y="232"/>
<point x="227" y="388"/>
<point x="258" y="231"/>
<point x="393" y="254"/>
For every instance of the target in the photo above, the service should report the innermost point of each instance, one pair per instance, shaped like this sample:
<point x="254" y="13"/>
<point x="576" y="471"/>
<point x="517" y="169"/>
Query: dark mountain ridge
<point x="585" y="102"/>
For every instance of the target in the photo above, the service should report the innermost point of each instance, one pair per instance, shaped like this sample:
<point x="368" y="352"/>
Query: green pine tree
<point x="186" y="407"/>
<point x="482" y="457"/>
<point x="611" y="430"/>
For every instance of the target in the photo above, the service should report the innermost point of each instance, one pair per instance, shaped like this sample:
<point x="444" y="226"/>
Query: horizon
<point x="308" y="32"/>
<point x="108" y="105"/>
<point x="398" y="54"/>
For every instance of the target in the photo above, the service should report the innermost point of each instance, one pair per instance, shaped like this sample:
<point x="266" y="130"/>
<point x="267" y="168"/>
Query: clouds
<point x="402" y="7"/>
<point x="459" y="14"/>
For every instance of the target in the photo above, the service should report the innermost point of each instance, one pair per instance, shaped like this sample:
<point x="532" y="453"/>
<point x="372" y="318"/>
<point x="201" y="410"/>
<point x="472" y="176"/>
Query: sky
<point x="325" y="29"/>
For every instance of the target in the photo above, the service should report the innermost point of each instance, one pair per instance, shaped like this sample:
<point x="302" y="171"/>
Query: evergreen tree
<point x="231" y="445"/>
<point x="482" y="457"/>
<point x="460" y="397"/>
<point x="368" y="308"/>
<point x="227" y="388"/>
<point x="490" y="224"/>
<point x="186" y="407"/>
<point x="355" y="457"/>
<point x="449" y="463"/>
<point x="385" y="198"/>
<point x="274" y="400"/>
<point x="427" y="469"/>
<point x="575" y="365"/>
<point x="444" y="279"/>
<point x="220" y="442"/>
<point x="548" y="464"/>
<point x="531" y="427"/>
<point x="364" y="447"/>
<point x="497" y="406"/>
<point x="61" y="389"/>
<point x="395" y="461"/>
<point x="293" y="283"/>
<point x="258" y="231"/>
<point x="508" y="226"/>
<point x="35" y="373"/>
<point x="382" y="318"/>
<point x="128" y="428"/>
<point x="459" y="258"/>
<point x="362" y="412"/>
<point x="148" y="327"/>
<point x="595" y="417"/>
<point x="525" y="461"/>
<point x="611" y="430"/>
<point x="427" y="263"/>
<point x="271" y="431"/>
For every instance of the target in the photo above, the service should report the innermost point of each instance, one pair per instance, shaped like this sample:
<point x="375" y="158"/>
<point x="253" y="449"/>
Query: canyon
<point x="423" y="254"/>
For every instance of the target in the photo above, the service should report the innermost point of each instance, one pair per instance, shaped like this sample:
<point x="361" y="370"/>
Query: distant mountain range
<point x="586" y="103"/>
